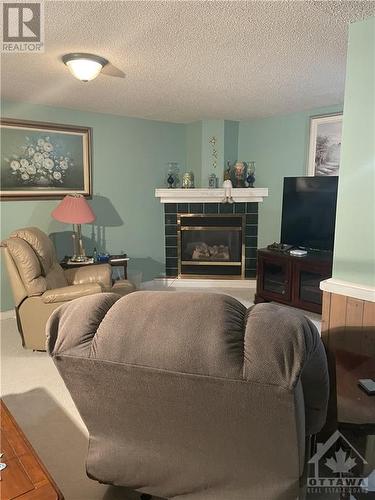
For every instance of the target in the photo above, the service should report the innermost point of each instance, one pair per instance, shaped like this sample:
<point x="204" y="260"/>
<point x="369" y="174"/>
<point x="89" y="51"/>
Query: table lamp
<point x="74" y="209"/>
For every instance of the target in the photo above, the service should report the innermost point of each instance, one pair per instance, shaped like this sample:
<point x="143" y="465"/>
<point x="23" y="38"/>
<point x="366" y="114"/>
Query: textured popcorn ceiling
<point x="190" y="60"/>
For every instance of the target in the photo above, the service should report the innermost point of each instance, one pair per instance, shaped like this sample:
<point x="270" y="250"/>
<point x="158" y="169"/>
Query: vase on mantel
<point x="173" y="174"/>
<point x="238" y="174"/>
<point x="213" y="181"/>
<point x="250" y="178"/>
<point x="188" y="180"/>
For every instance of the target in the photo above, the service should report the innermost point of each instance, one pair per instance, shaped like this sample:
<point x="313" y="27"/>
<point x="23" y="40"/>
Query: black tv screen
<point x="309" y="212"/>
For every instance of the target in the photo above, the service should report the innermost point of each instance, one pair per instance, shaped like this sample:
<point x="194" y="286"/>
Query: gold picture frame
<point x="41" y="160"/>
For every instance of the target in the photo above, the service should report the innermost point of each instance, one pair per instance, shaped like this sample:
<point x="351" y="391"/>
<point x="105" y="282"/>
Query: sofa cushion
<point x="55" y="277"/>
<point x="101" y="273"/>
<point x="45" y="252"/>
<point x="41" y="244"/>
<point x="28" y="266"/>
<point x="200" y="333"/>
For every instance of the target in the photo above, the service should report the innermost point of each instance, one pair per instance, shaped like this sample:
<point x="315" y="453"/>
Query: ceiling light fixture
<point x="85" y="67"/>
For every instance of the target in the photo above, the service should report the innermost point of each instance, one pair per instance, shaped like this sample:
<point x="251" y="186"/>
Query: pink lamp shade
<point x="73" y="209"/>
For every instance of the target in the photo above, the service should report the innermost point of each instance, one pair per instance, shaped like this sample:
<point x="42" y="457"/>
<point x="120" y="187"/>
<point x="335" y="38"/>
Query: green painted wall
<point x="354" y="255"/>
<point x="231" y="130"/>
<point x="199" y="149"/>
<point x="129" y="161"/>
<point x="279" y="146"/>
<point x="194" y="151"/>
<point x="212" y="128"/>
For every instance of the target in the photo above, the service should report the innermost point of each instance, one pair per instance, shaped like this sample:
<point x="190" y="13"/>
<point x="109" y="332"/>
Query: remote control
<point x="368" y="385"/>
<point x="298" y="253"/>
<point x="279" y="247"/>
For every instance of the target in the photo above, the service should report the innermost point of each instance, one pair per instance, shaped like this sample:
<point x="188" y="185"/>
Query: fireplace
<point x="240" y="210"/>
<point x="211" y="245"/>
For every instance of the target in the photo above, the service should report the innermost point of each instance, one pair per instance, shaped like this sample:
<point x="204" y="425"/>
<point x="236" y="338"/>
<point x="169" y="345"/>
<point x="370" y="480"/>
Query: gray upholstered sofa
<point x="190" y="396"/>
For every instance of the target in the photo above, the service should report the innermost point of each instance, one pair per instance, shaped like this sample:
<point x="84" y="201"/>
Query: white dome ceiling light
<point x="84" y="67"/>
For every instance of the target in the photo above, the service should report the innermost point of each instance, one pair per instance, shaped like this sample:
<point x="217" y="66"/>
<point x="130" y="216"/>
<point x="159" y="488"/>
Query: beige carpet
<point x="35" y="394"/>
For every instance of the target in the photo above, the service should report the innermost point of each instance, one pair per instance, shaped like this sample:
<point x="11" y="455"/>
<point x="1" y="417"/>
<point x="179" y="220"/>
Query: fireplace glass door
<point x="211" y="245"/>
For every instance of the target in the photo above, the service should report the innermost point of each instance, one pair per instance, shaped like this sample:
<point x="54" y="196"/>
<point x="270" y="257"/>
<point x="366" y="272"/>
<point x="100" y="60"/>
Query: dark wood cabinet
<point x="291" y="280"/>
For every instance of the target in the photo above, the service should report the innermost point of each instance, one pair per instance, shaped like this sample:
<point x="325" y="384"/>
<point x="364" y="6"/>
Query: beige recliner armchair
<point x="189" y="396"/>
<point x="40" y="285"/>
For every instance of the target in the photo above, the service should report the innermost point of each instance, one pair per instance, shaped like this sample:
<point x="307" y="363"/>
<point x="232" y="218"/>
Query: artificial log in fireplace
<point x="211" y="245"/>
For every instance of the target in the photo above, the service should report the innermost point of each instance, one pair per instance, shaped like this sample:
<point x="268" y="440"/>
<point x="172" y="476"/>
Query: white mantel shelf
<point x="205" y="195"/>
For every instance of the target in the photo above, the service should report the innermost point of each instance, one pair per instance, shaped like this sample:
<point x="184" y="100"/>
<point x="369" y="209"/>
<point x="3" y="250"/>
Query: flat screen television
<point x="309" y="212"/>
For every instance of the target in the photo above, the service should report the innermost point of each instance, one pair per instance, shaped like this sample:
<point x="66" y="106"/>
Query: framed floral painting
<point x="44" y="160"/>
<point x="325" y="145"/>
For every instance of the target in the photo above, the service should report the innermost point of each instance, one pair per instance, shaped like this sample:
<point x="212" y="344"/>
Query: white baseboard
<point x="355" y="290"/>
<point x="159" y="283"/>
<point x="7" y="314"/>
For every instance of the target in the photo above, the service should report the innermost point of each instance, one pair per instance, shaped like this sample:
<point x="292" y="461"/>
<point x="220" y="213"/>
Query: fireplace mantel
<point x="205" y="195"/>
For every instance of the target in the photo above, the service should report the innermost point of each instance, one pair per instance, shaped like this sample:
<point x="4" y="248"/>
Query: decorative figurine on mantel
<point x="238" y="174"/>
<point x="227" y="185"/>
<point x="213" y="181"/>
<point x="188" y="180"/>
<point x="250" y="178"/>
<point x="173" y="175"/>
<point x="227" y="174"/>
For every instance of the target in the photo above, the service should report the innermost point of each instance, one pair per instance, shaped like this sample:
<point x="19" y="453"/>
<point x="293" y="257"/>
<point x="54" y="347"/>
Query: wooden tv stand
<point x="292" y="280"/>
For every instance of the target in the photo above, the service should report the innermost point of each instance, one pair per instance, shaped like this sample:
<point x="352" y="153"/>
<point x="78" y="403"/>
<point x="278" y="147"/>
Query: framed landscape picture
<point x="44" y="160"/>
<point x="325" y="145"/>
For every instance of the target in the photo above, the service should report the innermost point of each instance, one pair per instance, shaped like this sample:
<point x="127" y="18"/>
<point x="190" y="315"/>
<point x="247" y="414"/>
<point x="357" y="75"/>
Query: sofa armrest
<point x="71" y="328"/>
<point x="67" y="293"/>
<point x="283" y="347"/>
<point x="101" y="273"/>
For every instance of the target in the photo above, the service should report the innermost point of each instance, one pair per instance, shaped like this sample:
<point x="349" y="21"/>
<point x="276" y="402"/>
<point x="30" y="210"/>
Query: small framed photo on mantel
<point x="325" y="145"/>
<point x="44" y="160"/>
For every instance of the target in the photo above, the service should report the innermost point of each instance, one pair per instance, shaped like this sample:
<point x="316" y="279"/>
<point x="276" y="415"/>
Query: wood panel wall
<point x="347" y="324"/>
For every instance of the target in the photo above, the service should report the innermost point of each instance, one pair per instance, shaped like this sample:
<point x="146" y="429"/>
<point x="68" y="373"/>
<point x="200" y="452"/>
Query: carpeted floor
<point x="35" y="394"/>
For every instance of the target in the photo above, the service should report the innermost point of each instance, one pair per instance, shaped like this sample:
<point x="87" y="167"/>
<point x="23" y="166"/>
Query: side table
<point x="351" y="410"/>
<point x="24" y="477"/>
<point x="114" y="261"/>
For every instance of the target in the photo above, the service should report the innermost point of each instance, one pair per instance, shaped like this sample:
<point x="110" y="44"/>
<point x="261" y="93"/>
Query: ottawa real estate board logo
<point x="337" y="468"/>
<point x="22" y="27"/>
